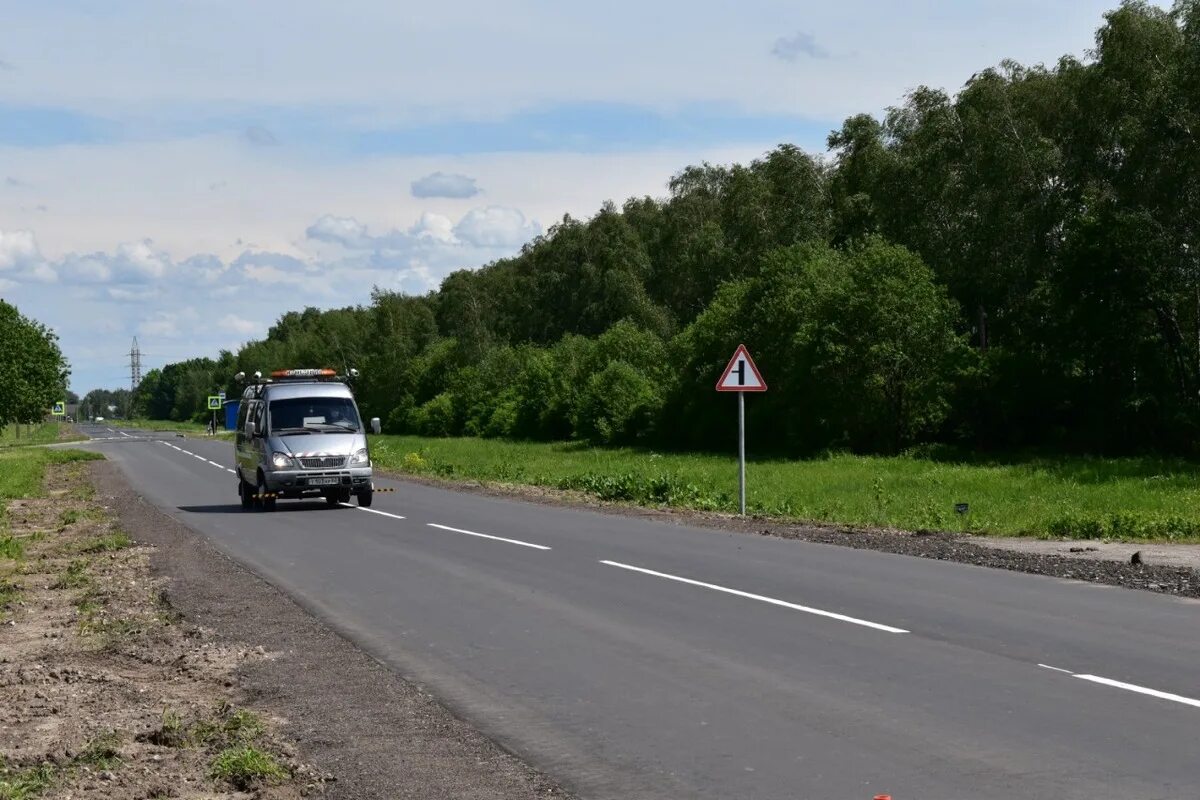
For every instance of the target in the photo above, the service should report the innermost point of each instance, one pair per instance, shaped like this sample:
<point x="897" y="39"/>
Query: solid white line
<point x="488" y="536"/>
<point x="806" y="609"/>
<point x="1131" y="687"/>
<point x="123" y="433"/>
<point x="372" y="511"/>
<point x="1056" y="669"/>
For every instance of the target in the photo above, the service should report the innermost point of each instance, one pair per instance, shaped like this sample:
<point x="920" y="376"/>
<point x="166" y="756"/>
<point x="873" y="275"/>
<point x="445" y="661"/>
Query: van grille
<point x="323" y="462"/>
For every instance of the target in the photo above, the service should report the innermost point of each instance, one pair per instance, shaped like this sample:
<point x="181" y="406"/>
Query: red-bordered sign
<point x="741" y="375"/>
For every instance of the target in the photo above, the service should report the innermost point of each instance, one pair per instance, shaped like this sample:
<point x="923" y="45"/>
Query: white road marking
<point x="123" y="433"/>
<point x="1129" y="687"/>
<point x="762" y="599"/>
<point x="488" y="536"/>
<point x="1132" y="687"/>
<point x="372" y="511"/>
<point x="1056" y="669"/>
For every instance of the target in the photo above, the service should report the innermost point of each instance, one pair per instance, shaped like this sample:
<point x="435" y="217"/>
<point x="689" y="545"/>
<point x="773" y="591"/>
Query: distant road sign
<point x="214" y="402"/>
<point x="741" y="375"/>
<point x="59" y="410"/>
<point x="221" y="394"/>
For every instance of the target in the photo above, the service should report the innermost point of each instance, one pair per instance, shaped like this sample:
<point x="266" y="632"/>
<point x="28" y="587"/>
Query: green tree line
<point x="1013" y="265"/>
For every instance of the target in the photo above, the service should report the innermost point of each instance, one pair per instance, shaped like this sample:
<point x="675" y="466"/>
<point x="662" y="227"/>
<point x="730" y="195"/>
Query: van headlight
<point x="282" y="460"/>
<point x="360" y="457"/>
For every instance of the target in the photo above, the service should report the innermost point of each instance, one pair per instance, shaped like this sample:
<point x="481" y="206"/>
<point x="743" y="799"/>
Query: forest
<point x="1012" y="266"/>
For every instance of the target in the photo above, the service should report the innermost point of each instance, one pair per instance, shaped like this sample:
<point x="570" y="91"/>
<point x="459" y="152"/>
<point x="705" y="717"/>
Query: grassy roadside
<point x="171" y="426"/>
<point x="79" y="606"/>
<point x="26" y="435"/>
<point x="22" y="471"/>
<point x="1071" y="497"/>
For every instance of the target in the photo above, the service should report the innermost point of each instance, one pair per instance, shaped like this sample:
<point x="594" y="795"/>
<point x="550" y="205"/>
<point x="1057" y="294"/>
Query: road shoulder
<point x="378" y="735"/>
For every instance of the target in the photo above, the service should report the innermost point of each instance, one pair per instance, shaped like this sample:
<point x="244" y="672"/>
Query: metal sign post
<point x="741" y="376"/>
<point x="742" y="452"/>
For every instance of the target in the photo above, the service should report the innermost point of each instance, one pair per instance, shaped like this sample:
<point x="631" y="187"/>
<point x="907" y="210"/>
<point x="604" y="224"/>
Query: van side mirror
<point x="375" y="426"/>
<point x="250" y="428"/>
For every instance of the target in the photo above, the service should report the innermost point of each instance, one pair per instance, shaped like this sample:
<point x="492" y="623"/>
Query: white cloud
<point x="18" y="250"/>
<point x="346" y="231"/>
<point x="132" y="263"/>
<point x="441" y="184"/>
<point x="435" y="227"/>
<point x="244" y="327"/>
<point x="790" y="48"/>
<point x="496" y="226"/>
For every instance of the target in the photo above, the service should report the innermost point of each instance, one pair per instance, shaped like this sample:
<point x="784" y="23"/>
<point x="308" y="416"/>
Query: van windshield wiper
<point x="292" y="431"/>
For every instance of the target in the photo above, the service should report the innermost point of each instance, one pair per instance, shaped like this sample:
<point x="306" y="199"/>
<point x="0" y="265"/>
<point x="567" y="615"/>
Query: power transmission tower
<point x="135" y="373"/>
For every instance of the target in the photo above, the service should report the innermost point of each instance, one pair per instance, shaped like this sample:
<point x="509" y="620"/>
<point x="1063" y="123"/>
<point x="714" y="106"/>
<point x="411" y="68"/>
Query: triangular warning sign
<point x="741" y="375"/>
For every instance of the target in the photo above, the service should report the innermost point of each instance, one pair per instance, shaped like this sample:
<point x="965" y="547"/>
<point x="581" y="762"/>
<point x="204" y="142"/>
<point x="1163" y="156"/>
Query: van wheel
<point x="365" y="497"/>
<point x="245" y="492"/>
<point x="264" y="502"/>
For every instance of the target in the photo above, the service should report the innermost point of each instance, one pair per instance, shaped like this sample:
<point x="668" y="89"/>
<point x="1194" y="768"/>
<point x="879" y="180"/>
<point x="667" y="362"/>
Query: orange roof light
<point x="304" y="373"/>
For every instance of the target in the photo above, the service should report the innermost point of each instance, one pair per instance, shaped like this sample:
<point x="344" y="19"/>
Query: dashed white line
<point x="123" y="433"/>
<point x="488" y="536"/>
<point x="1129" y="687"/>
<point x="372" y="511"/>
<point x="1056" y="669"/>
<point x="761" y="598"/>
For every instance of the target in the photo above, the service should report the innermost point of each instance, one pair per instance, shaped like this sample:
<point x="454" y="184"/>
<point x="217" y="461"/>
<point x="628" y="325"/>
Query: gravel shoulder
<point x="371" y="733"/>
<point x="1166" y="568"/>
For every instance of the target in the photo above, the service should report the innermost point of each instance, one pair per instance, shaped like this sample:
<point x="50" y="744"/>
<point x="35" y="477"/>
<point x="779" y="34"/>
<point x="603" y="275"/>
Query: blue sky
<point x="185" y="172"/>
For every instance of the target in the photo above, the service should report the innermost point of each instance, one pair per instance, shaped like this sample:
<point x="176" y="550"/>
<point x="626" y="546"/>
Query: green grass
<point x="22" y="469"/>
<point x="246" y="767"/>
<point x="23" y="784"/>
<point x="103" y="752"/>
<point x="25" y="435"/>
<point x="11" y="547"/>
<point x="75" y="576"/>
<point x="9" y="594"/>
<point x="171" y="426"/>
<point x="1075" y="497"/>
<point x="109" y="543"/>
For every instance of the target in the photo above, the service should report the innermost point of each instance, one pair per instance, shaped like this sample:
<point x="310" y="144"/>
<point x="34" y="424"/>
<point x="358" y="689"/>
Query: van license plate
<point x="324" y="481"/>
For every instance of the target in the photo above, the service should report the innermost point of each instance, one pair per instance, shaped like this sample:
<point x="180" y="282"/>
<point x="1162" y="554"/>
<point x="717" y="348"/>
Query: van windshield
<point x="314" y="415"/>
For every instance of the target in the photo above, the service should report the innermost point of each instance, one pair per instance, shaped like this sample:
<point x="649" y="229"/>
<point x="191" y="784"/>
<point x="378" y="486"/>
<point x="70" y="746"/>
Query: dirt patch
<point x="1170" y="569"/>
<point x="105" y="691"/>
<point x="373" y="733"/>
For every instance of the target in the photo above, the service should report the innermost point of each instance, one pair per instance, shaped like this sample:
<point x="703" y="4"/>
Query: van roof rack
<point x="305" y="375"/>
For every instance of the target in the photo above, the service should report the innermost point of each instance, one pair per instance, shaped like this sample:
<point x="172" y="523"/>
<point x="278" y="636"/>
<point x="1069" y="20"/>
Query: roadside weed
<point x="110" y="543"/>
<point x="23" y="784"/>
<point x="74" y="576"/>
<point x="102" y="752"/>
<point x="11" y="547"/>
<point x="246" y="767"/>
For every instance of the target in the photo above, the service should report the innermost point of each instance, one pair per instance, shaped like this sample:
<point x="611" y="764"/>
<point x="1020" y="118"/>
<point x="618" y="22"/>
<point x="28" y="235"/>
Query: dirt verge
<point x="373" y="734"/>
<point x="1165" y="568"/>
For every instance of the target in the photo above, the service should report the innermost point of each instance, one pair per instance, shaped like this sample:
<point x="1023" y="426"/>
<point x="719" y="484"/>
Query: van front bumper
<point x="297" y="482"/>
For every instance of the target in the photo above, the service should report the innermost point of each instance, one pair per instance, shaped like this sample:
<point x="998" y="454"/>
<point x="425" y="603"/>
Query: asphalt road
<point x="629" y="658"/>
